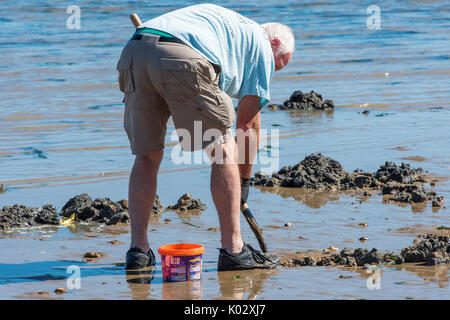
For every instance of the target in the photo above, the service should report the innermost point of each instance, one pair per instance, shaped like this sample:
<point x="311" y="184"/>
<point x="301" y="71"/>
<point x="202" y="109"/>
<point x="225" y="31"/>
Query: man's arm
<point x="247" y="133"/>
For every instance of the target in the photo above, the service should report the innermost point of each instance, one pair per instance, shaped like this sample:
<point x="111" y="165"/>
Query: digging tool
<point x="244" y="208"/>
<point x="254" y="226"/>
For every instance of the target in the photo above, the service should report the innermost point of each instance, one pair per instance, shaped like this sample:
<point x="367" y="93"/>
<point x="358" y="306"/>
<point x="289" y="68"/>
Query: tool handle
<point x="254" y="226"/>
<point x="135" y="19"/>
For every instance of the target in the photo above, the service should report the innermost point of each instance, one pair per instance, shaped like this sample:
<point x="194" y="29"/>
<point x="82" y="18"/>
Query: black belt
<point x="138" y="36"/>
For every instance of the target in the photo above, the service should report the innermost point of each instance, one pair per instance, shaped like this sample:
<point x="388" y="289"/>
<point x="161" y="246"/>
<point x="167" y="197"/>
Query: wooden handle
<point x="254" y="226"/>
<point x="135" y="19"/>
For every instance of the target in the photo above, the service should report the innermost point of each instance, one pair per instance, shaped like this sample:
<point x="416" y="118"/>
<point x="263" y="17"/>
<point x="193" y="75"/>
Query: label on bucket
<point x="178" y="277"/>
<point x="195" y="269"/>
<point x="174" y="260"/>
<point x="195" y="275"/>
<point x="181" y="268"/>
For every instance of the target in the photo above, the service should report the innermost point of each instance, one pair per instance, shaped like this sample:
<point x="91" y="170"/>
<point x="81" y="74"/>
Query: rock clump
<point x="101" y="210"/>
<point x="80" y="208"/>
<point x="438" y="202"/>
<point x="19" y="216"/>
<point x="187" y="203"/>
<point x="408" y="193"/>
<point x="346" y="257"/>
<point x="316" y="171"/>
<point x="432" y="250"/>
<point x="305" y="101"/>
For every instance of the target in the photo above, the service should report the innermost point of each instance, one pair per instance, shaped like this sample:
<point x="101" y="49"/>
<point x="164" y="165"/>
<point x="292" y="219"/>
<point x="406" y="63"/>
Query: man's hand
<point x="247" y="134"/>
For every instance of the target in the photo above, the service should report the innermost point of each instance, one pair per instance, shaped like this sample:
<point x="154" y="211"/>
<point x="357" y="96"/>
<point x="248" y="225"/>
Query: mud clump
<point x="81" y="208"/>
<point x="115" y="242"/>
<point x="19" y="216"/>
<point x="359" y="257"/>
<point x="305" y="101"/>
<point x="438" y="202"/>
<point x="60" y="290"/>
<point x="323" y="173"/>
<point x="298" y="262"/>
<point x="157" y="208"/>
<point x="432" y="250"/>
<point x="316" y="172"/>
<point x="390" y="172"/>
<point x="101" y="210"/>
<point x="93" y="255"/>
<point x="187" y="203"/>
<point x="399" y="183"/>
<point x="410" y="193"/>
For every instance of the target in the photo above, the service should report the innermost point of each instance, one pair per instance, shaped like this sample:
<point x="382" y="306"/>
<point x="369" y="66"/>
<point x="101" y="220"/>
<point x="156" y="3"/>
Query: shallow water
<point x="61" y="134"/>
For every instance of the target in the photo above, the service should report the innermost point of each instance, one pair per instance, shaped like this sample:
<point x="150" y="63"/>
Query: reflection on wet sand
<point x="314" y="199"/>
<point x="359" y="76"/>
<point x="435" y="274"/>
<point x="415" y="158"/>
<point x="45" y="128"/>
<point x="21" y="116"/>
<point x="243" y="285"/>
<point x="139" y="282"/>
<point x="184" y="290"/>
<point x="85" y="228"/>
<point x="419" y="207"/>
<point x="71" y="180"/>
<point x="15" y="152"/>
<point x="300" y="116"/>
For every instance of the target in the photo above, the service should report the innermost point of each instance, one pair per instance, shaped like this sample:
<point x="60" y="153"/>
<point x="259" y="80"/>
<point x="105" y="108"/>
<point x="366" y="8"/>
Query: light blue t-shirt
<point x="239" y="45"/>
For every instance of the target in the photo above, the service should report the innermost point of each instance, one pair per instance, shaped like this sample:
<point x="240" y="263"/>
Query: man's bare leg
<point x="226" y="193"/>
<point x="141" y="194"/>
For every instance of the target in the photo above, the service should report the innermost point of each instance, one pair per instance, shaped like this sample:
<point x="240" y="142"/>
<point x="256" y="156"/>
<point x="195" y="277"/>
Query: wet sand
<point x="105" y="278"/>
<point x="61" y="135"/>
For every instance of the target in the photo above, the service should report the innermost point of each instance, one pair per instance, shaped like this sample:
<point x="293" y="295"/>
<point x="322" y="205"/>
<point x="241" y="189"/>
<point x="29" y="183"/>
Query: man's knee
<point x="225" y="153"/>
<point x="152" y="159"/>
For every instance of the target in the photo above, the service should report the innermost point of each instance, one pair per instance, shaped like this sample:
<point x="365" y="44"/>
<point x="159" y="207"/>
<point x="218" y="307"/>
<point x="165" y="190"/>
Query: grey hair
<point x="282" y="32"/>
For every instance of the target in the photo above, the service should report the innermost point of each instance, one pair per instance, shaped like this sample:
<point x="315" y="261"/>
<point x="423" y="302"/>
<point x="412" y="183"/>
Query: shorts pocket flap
<point x="126" y="83"/>
<point x="124" y="62"/>
<point x="178" y="64"/>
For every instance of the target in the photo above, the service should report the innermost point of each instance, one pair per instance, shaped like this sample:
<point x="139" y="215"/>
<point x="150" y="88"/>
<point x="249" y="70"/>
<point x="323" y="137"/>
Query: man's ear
<point x="275" y="42"/>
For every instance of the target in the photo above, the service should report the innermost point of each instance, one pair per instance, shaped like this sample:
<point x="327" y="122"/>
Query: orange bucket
<point x="181" y="261"/>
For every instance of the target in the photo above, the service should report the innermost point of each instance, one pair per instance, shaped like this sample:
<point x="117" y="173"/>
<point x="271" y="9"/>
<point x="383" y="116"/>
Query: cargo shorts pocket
<point x="226" y="109"/>
<point x="126" y="83"/>
<point x="179" y="75"/>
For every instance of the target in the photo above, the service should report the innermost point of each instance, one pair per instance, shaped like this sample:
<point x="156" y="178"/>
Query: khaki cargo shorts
<point x="163" y="79"/>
